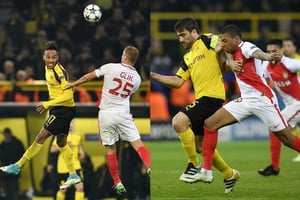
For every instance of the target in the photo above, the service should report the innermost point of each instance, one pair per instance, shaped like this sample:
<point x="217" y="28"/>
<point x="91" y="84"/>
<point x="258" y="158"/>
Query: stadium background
<point x="25" y="27"/>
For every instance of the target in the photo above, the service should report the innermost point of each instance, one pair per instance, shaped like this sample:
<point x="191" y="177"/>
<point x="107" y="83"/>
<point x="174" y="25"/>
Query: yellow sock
<point x="187" y="139"/>
<point x="60" y="196"/>
<point x="67" y="155"/>
<point x="222" y="166"/>
<point x="79" y="195"/>
<point x="29" y="153"/>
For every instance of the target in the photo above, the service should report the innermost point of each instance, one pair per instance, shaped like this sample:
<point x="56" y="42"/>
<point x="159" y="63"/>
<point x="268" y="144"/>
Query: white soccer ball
<point x="92" y="13"/>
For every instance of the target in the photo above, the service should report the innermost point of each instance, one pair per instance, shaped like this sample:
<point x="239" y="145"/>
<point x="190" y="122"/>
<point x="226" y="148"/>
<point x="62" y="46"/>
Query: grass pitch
<point x="168" y="161"/>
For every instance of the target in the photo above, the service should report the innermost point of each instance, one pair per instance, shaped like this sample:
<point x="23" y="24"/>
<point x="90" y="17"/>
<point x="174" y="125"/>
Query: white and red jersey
<point x="285" y="78"/>
<point x="250" y="80"/>
<point x="120" y="82"/>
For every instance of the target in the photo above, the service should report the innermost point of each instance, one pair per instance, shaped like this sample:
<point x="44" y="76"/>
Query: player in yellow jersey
<point x="62" y="111"/>
<point x="74" y="141"/>
<point x="290" y="48"/>
<point x="201" y="64"/>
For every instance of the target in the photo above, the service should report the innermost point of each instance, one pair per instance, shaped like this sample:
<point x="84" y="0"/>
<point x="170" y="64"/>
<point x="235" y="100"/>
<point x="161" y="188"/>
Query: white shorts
<point x="114" y="125"/>
<point x="291" y="113"/>
<point x="262" y="107"/>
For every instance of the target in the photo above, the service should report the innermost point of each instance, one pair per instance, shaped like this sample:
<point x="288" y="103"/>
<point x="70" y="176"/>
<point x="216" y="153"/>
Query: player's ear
<point x="194" y="33"/>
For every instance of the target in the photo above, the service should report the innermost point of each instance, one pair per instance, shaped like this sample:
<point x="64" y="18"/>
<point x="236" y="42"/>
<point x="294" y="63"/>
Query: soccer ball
<point x="92" y="13"/>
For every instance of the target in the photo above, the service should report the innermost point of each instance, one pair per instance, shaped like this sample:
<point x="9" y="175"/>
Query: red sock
<point x="275" y="146"/>
<point x="296" y="144"/>
<point x="113" y="167"/>
<point x="144" y="155"/>
<point x="210" y="141"/>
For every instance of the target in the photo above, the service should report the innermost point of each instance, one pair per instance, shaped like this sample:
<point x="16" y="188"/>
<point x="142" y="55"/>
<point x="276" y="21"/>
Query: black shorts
<point x="59" y="120"/>
<point x="200" y="110"/>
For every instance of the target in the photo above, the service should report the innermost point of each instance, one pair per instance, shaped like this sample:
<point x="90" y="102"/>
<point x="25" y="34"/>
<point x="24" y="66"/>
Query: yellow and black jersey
<point x="201" y="65"/>
<point x="57" y="79"/>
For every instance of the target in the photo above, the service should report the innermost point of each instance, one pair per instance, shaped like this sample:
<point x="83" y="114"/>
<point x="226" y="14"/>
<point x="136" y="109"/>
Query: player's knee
<point x="179" y="124"/>
<point x="208" y="124"/>
<point x="286" y="139"/>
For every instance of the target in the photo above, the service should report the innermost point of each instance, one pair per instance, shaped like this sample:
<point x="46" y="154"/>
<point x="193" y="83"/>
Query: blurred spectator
<point x="11" y="150"/>
<point x="46" y="19"/>
<point x="160" y="62"/>
<point x="18" y="94"/>
<point x="8" y="53"/>
<point x="30" y="71"/>
<point x="84" y="61"/>
<point x="62" y="38"/>
<point x="39" y="42"/>
<point x="24" y="58"/>
<point x="4" y="93"/>
<point x="9" y="70"/>
<point x="114" y="23"/>
<point x="290" y="48"/>
<point x="79" y="30"/>
<point x="4" y="41"/>
<point x="2" y="77"/>
<point x="100" y="42"/>
<point x="108" y="56"/>
<point x="15" y="28"/>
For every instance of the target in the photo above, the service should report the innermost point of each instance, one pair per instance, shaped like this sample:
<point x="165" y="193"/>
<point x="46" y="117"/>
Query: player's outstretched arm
<point x="85" y="78"/>
<point x="169" y="81"/>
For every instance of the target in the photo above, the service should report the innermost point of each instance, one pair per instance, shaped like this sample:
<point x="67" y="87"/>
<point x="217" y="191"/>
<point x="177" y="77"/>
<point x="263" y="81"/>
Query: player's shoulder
<point x="247" y="44"/>
<point x="297" y="56"/>
<point x="289" y="61"/>
<point x="108" y="67"/>
<point x="209" y="39"/>
<point x="59" y="69"/>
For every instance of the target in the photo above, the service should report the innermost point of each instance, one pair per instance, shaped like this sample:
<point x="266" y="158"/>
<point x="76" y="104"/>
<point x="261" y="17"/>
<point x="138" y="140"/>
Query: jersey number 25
<point x="122" y="90"/>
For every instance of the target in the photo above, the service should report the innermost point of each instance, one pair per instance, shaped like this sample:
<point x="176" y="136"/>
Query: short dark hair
<point x="292" y="40"/>
<point x="277" y="42"/>
<point x="51" y="45"/>
<point x="231" y="30"/>
<point x="7" y="131"/>
<point x="187" y="23"/>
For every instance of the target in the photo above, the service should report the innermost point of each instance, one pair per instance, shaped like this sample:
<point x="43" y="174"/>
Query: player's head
<point x="289" y="47"/>
<point x="230" y="36"/>
<point x="187" y="30"/>
<point x="130" y="55"/>
<point x="7" y="133"/>
<point x="50" y="56"/>
<point x="274" y="45"/>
